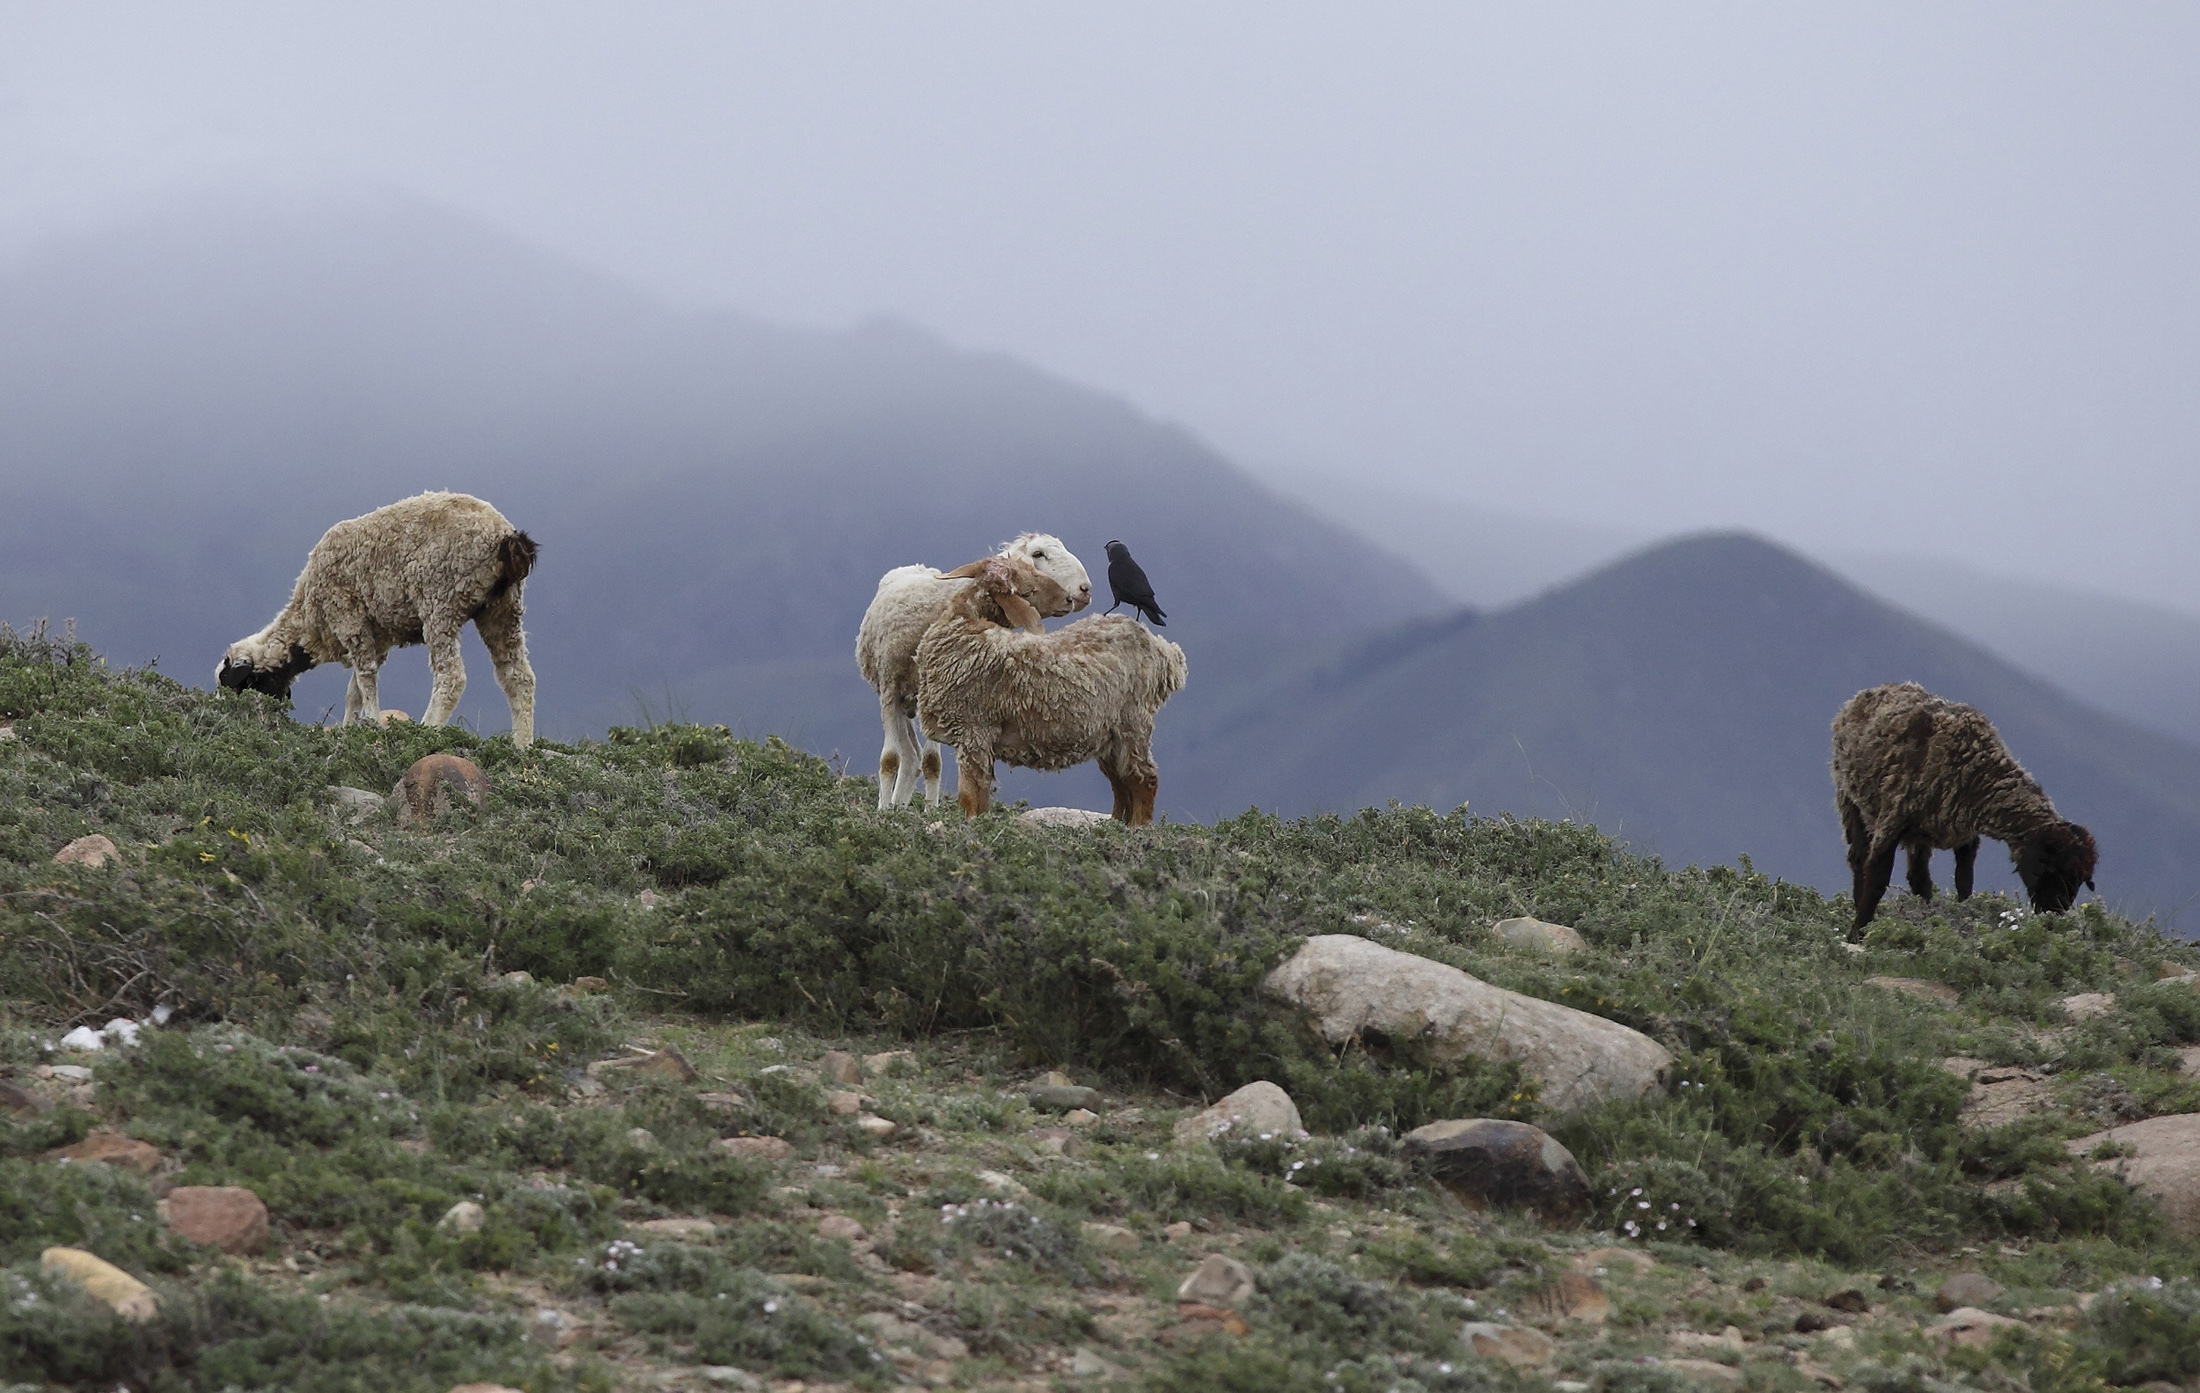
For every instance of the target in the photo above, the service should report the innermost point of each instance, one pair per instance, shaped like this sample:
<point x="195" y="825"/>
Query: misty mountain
<point x="187" y="402"/>
<point x="1681" y="698"/>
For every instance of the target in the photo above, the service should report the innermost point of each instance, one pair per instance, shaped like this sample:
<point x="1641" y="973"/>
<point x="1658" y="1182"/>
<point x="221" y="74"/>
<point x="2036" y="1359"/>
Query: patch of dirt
<point x="2000" y="1093"/>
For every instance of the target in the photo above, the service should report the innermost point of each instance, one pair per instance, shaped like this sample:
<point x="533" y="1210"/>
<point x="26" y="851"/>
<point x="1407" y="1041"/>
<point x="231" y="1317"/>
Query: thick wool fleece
<point x="416" y="571"/>
<point x="1920" y="772"/>
<point x="1087" y="691"/>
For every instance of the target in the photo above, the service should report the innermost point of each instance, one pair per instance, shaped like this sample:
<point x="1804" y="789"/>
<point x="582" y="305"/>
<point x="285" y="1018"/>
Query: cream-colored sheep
<point x="413" y="572"/>
<point x="909" y="599"/>
<point x="1089" y="690"/>
<point x="1917" y="772"/>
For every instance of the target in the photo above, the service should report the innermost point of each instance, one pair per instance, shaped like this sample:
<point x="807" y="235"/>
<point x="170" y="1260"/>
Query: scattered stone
<point x="1524" y="932"/>
<point x="886" y="1062"/>
<point x="1852" y="1301"/>
<point x="391" y="713"/>
<point x="844" y="1104"/>
<point x="1054" y="1078"/>
<point x="895" y="1333"/>
<point x="1255" y="1110"/>
<point x="1061" y="817"/>
<point x="94" y="851"/>
<point x="356" y="804"/>
<point x="667" y="1063"/>
<point x="1999" y="1093"/>
<point x="2168" y="970"/>
<point x="759" y="1148"/>
<point x="840" y="1067"/>
<point x="7" y="733"/>
<point x="1178" y="1231"/>
<point x="69" y="1073"/>
<point x="730" y="1376"/>
<point x="110" y="1148"/>
<point x="463" y="1217"/>
<point x="1811" y="1322"/>
<point x="1055" y="1097"/>
<point x="472" y="1387"/>
<point x="680" y="1228"/>
<point x="723" y="1102"/>
<point x="104" y="1282"/>
<point x="1573" y="1296"/>
<point x="2164" y="1163"/>
<point x="1969" y="1326"/>
<point x="1354" y="988"/>
<point x="1824" y="1378"/>
<point x="875" y="1127"/>
<point x="228" y="1217"/>
<point x="1967" y="1289"/>
<point x="513" y="980"/>
<point x="431" y="787"/>
<point x="16" y="1098"/>
<point x="1939" y="993"/>
<point x="647" y="899"/>
<point x="1594" y="1261"/>
<point x="1080" y="1117"/>
<point x="2086" y="1005"/>
<point x="1054" y="1141"/>
<point x="1511" y="1165"/>
<point x="1111" y="1236"/>
<point x="590" y="984"/>
<point x="1085" y="1364"/>
<point x="553" y="1327"/>
<point x="1707" y="1371"/>
<point x="1517" y="1345"/>
<point x="1001" y="1184"/>
<point x="1197" y="1318"/>
<point x="841" y="1226"/>
<point x="1728" y="1339"/>
<point x="1217" y="1281"/>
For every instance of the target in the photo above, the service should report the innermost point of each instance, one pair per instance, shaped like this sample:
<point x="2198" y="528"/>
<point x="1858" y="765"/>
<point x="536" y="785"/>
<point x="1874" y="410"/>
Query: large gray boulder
<point x="1491" y="1162"/>
<point x="1352" y="987"/>
<point x="2162" y="1162"/>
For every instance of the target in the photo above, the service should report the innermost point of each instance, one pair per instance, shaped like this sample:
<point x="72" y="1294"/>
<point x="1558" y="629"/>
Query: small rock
<point x="473" y="1387"/>
<point x="1054" y="1141"/>
<point x="647" y="899"/>
<point x="1085" y="1364"/>
<point x="589" y="984"/>
<point x="897" y="1334"/>
<point x="760" y="1148"/>
<point x="94" y="851"/>
<point x="1111" y="1236"/>
<point x="356" y="804"/>
<point x="1707" y="1371"/>
<point x="110" y="1148"/>
<point x="667" y="1063"/>
<point x="887" y="1062"/>
<point x="1001" y="1184"/>
<point x="1062" y="817"/>
<point x="228" y="1217"/>
<point x="641" y="1136"/>
<point x="463" y="1217"/>
<point x="1489" y="1161"/>
<point x="1217" y="1281"/>
<point x="1524" y="932"/>
<point x="1178" y="1231"/>
<point x="7" y="733"/>
<point x="16" y="1098"/>
<point x="1969" y="1326"/>
<point x="1728" y="1339"/>
<point x="71" y="1073"/>
<point x="1080" y="1117"/>
<point x="844" y="1104"/>
<point x="1055" y="1078"/>
<point x="513" y="980"/>
<point x="1940" y="993"/>
<point x="1967" y="1289"/>
<point x="431" y="787"/>
<point x="106" y="1283"/>
<point x="553" y="1327"/>
<point x="2086" y="1005"/>
<point x="1258" y="1109"/>
<point x="841" y="1226"/>
<point x="390" y="713"/>
<point x="1592" y="1261"/>
<point x="679" y="1228"/>
<point x="723" y="1102"/>
<point x="1197" y="1318"/>
<point x="840" y="1067"/>
<point x="1852" y="1301"/>
<point x="1811" y="1322"/>
<point x="1054" y="1097"/>
<point x="1517" y="1345"/>
<point x="1573" y="1296"/>
<point x="875" y="1127"/>
<point x="728" y="1376"/>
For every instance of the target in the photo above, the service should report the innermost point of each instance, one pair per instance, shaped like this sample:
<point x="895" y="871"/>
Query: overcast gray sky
<point x="1913" y="276"/>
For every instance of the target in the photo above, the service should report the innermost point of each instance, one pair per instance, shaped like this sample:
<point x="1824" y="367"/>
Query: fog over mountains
<point x="186" y="403"/>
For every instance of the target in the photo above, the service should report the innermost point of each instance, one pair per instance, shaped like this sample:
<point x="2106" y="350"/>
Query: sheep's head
<point x="2053" y="862"/>
<point x="1009" y="592"/>
<point x="261" y="664"/>
<point x="1046" y="554"/>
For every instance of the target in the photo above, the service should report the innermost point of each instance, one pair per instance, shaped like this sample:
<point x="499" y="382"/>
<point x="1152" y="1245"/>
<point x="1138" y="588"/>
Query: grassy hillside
<point x="346" y="1041"/>
<point x="1681" y="699"/>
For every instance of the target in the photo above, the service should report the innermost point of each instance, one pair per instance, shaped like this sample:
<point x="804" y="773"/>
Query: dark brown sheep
<point x="1916" y="772"/>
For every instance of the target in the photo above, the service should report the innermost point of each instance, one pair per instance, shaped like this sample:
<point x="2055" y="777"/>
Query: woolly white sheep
<point x="909" y="599"/>
<point x="413" y="572"/>
<point x="1087" y="691"/>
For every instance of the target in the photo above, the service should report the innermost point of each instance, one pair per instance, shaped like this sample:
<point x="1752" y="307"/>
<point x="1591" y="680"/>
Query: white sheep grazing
<point x="909" y="599"/>
<point x="1089" y="690"/>
<point x="413" y="572"/>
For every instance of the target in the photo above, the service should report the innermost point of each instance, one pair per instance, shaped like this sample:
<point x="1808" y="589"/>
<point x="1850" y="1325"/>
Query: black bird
<point x="1128" y="584"/>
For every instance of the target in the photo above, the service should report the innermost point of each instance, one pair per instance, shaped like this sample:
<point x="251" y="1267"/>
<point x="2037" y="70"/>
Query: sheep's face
<point x="250" y="666"/>
<point x="1050" y="558"/>
<point x="2053" y="863"/>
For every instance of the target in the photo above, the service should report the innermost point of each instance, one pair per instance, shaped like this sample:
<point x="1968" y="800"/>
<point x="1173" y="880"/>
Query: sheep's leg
<point x="1135" y="781"/>
<point x="351" y="699"/>
<point x="1966" y="862"/>
<point x="897" y="760"/>
<point x="1872" y="878"/>
<point x="1920" y="868"/>
<point x="935" y="771"/>
<point x="362" y="701"/>
<point x="1858" y="838"/>
<point x="449" y="667"/>
<point x="974" y="781"/>
<point x="1121" y="812"/>
<point x="502" y="634"/>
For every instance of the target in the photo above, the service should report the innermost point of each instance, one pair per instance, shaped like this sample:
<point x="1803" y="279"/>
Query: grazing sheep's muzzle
<point x="238" y="674"/>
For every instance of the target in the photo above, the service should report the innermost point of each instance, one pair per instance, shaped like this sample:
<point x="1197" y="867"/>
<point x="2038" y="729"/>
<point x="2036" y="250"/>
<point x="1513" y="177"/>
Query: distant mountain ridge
<point x="1681" y="698"/>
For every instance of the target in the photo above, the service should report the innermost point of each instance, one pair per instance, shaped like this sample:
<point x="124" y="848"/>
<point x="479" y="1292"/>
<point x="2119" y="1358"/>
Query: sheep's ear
<point x="1019" y="613"/>
<point x="969" y="572"/>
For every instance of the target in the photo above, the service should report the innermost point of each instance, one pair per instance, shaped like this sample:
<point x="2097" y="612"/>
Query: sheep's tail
<point x="515" y="561"/>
